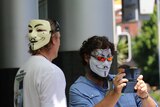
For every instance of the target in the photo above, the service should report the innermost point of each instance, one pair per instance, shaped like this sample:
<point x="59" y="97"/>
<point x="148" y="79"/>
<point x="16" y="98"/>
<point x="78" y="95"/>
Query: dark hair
<point x="54" y="28"/>
<point x="92" y="43"/>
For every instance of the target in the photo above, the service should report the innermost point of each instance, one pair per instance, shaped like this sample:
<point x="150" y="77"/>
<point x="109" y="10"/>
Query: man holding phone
<point x="93" y="89"/>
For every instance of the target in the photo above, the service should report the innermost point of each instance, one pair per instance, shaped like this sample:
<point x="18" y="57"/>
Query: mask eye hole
<point x="110" y="58"/>
<point x="100" y="58"/>
<point x="29" y="31"/>
<point x="40" y="30"/>
<point x="102" y="55"/>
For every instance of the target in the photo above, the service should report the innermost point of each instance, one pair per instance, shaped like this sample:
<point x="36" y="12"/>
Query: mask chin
<point x="99" y="68"/>
<point x="97" y="76"/>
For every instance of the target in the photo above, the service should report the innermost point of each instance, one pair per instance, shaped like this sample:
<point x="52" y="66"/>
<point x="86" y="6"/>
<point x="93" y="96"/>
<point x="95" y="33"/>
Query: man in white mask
<point x="100" y="61"/>
<point x="93" y="89"/>
<point x="39" y="82"/>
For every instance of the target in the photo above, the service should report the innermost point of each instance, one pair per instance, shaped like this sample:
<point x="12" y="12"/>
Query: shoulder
<point x="81" y="82"/>
<point x="83" y="87"/>
<point x="41" y="67"/>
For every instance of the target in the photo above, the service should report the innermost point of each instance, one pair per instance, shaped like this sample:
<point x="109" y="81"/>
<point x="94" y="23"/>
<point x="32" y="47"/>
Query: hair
<point x="92" y="43"/>
<point x="54" y="28"/>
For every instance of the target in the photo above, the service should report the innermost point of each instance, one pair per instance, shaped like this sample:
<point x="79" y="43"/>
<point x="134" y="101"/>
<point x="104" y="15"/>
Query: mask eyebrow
<point x="30" y="26"/>
<point x="38" y="25"/>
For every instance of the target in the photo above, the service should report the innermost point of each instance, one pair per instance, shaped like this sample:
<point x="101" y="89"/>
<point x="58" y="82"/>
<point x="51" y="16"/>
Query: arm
<point x="110" y="99"/>
<point x="142" y="92"/>
<point x="148" y="102"/>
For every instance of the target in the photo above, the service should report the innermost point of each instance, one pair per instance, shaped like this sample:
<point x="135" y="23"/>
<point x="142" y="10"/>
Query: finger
<point x="119" y="76"/>
<point x="140" y="77"/>
<point x="124" y="80"/>
<point x="143" y="89"/>
<point x="122" y="85"/>
<point x="121" y="70"/>
<point x="140" y="84"/>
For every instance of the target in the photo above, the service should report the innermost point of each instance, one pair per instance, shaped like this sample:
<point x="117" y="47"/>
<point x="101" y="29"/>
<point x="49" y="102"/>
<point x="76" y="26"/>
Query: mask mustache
<point x="102" y="67"/>
<point x="33" y="40"/>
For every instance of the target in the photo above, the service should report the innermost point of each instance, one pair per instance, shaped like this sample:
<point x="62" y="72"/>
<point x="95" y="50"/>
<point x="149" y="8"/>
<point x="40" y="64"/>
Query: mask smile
<point x="102" y="67"/>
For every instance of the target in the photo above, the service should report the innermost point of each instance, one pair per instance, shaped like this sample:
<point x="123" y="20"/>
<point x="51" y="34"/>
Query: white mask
<point x="100" y="62"/>
<point x="39" y="33"/>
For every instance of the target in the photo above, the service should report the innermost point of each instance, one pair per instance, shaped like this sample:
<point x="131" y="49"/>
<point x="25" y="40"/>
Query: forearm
<point x="148" y="102"/>
<point x="110" y="99"/>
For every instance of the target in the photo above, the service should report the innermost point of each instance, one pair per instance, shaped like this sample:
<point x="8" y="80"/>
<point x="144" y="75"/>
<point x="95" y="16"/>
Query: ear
<point x="54" y="38"/>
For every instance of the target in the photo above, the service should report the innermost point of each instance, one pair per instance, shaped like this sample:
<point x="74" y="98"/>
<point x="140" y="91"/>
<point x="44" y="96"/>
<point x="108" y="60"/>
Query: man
<point x="37" y="81"/>
<point x="93" y="89"/>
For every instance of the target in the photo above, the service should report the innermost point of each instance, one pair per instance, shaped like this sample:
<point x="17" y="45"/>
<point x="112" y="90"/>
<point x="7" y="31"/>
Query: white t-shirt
<point x="39" y="83"/>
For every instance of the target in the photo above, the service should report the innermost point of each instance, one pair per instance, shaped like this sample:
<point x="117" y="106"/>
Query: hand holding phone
<point x="132" y="75"/>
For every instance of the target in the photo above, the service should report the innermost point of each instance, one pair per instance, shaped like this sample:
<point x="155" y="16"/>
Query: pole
<point x="158" y="22"/>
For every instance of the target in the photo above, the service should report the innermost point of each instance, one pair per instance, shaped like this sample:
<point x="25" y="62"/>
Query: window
<point x="43" y="12"/>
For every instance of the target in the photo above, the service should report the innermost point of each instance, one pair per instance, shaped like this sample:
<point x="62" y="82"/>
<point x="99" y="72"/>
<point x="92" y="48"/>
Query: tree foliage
<point x="122" y="49"/>
<point x="145" y="49"/>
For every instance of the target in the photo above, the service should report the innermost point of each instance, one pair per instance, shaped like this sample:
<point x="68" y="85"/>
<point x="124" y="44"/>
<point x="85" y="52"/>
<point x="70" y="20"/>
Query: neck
<point x="44" y="54"/>
<point x="99" y="82"/>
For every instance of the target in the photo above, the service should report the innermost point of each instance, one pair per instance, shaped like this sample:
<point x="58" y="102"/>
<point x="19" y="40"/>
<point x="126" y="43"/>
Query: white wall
<point x="85" y="18"/>
<point x="15" y="15"/>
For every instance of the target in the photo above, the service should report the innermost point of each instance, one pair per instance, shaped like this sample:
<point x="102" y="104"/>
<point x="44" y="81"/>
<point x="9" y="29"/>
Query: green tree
<point x="122" y="50"/>
<point x="145" y="49"/>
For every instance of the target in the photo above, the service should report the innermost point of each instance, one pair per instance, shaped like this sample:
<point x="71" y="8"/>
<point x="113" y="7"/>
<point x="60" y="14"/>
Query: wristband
<point x="144" y="97"/>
